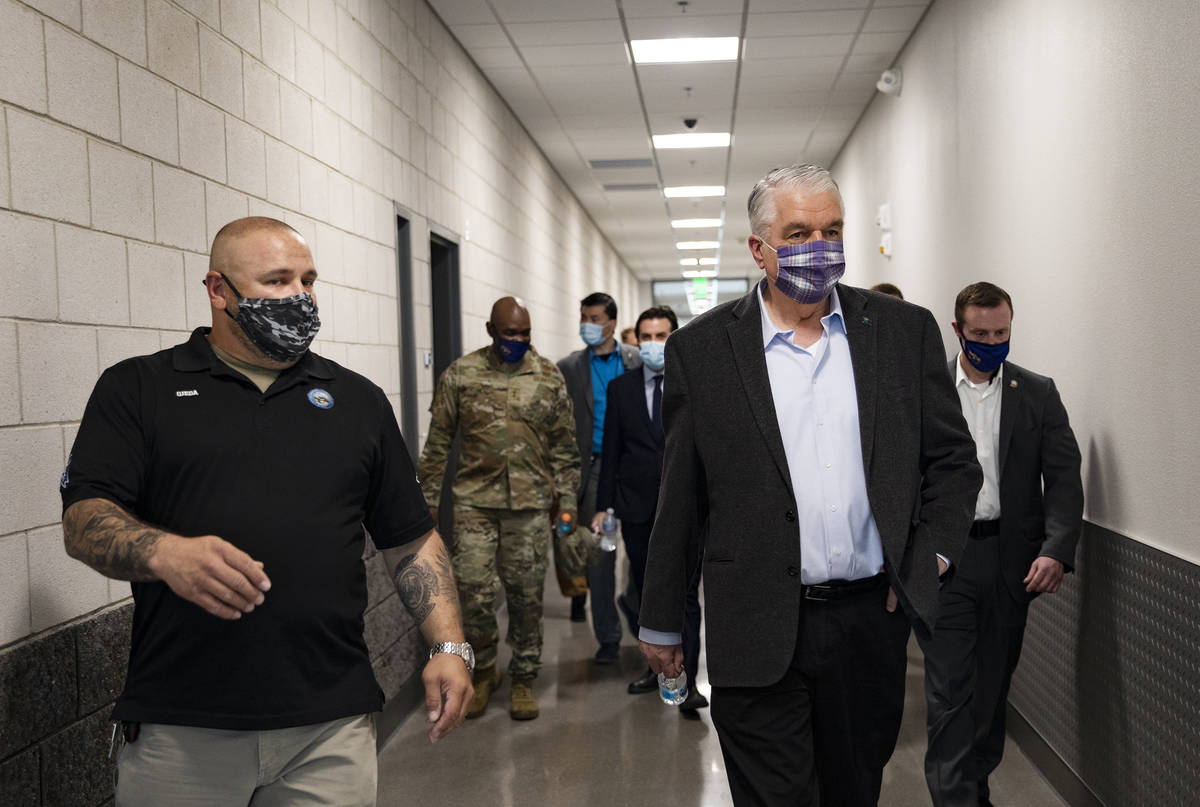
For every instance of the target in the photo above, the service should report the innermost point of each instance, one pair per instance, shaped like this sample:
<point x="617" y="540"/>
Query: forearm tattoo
<point x="111" y="541"/>
<point x="421" y="583"/>
<point x="417" y="585"/>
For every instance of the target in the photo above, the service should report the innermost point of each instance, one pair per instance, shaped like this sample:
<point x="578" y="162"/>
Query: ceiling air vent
<point x="640" y="162"/>
<point x="632" y="186"/>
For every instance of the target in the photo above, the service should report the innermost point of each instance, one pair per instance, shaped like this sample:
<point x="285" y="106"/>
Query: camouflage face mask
<point x="282" y="329"/>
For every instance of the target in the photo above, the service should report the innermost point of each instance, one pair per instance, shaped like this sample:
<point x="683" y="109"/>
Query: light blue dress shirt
<point x="816" y="406"/>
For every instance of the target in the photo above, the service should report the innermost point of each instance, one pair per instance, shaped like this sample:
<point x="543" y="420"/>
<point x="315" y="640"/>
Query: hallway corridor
<point x="598" y="746"/>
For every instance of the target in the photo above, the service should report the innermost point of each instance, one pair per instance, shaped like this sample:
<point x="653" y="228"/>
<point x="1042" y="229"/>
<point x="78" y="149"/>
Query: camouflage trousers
<point x="502" y="547"/>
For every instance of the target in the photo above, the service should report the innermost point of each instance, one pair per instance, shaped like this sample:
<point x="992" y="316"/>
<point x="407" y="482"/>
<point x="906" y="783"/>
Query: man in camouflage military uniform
<point x="518" y="456"/>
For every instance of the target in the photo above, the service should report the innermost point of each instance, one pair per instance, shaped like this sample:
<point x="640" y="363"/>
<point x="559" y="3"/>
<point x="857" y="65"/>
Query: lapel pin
<point x="866" y="320"/>
<point x="1013" y="383"/>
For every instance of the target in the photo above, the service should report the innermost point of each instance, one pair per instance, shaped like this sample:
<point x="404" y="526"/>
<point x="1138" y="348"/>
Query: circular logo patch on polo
<point x="320" y="398"/>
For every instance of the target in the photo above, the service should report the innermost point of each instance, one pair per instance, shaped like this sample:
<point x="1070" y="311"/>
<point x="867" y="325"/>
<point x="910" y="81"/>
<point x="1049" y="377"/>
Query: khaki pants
<point x="326" y="763"/>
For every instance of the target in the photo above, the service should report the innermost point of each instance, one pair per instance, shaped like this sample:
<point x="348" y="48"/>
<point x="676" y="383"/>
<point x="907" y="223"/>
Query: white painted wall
<point x="132" y="130"/>
<point x="1052" y="148"/>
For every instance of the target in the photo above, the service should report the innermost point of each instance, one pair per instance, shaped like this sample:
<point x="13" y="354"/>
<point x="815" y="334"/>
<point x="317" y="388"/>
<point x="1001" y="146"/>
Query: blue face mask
<point x="653" y="354"/>
<point x="984" y="358"/>
<point x="512" y="350"/>
<point x="808" y="272"/>
<point x="591" y="333"/>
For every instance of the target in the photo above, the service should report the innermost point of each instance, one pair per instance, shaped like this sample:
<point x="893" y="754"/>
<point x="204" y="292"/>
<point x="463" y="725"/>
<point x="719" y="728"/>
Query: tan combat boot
<point x="485" y="682"/>
<point x="524" y="705"/>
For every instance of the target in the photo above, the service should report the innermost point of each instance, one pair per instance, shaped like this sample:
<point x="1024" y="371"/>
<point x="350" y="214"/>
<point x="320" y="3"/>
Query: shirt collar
<point x="834" y="320"/>
<point x="960" y="376"/>
<point x="196" y="355"/>
<point x="648" y="374"/>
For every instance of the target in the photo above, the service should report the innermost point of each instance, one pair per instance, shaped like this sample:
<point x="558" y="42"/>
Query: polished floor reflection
<point x="597" y="746"/>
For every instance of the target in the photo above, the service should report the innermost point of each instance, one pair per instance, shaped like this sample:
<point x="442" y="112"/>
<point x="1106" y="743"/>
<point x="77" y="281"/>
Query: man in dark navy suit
<point x="1028" y="517"/>
<point x="631" y="467"/>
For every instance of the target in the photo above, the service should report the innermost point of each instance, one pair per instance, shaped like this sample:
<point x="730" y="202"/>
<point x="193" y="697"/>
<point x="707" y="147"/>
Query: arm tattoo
<point x="417" y="585"/>
<point x="110" y="540"/>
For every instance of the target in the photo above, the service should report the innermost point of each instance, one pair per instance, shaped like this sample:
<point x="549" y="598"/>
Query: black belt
<point x="985" y="529"/>
<point x="840" y="589"/>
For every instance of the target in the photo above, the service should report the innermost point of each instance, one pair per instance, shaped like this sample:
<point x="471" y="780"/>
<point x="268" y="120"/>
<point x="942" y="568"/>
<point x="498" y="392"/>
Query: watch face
<point x="470" y="654"/>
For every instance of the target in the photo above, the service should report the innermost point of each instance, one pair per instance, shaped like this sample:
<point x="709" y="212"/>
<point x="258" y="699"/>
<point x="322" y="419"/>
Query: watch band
<point x="461" y="649"/>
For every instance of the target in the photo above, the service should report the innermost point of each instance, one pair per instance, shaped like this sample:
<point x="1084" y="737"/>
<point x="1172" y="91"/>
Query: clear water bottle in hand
<point x="608" y="532"/>
<point x="673" y="691"/>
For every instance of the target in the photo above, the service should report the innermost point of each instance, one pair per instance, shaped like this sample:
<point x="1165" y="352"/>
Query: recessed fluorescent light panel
<point x="697" y="244"/>
<point x="692" y="140"/>
<point x="693" y="191"/>
<point x="689" y="262"/>
<point x="709" y="262"/>
<point x="700" y="273"/>
<point x="693" y="224"/>
<point x="685" y="49"/>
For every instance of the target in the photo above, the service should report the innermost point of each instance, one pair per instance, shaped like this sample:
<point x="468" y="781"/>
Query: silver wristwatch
<point x="461" y="649"/>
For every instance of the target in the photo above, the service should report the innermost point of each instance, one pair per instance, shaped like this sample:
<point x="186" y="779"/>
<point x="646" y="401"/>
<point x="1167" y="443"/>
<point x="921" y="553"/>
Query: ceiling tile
<point x="677" y="164"/>
<point x="811" y="5"/>
<point x="869" y="62"/>
<point x="669" y="9"/>
<point x="685" y="25"/>
<point x="881" y="43"/>
<point x="804" y="23"/>
<point x="582" y="32"/>
<point x="575" y="55"/>
<point x="480" y="36"/>
<point x="463" y="12"/>
<point x="557" y="11"/>
<point x="888" y="20"/>
<point x="796" y="74"/>
<point x="798" y="47"/>
<point x="487" y="58"/>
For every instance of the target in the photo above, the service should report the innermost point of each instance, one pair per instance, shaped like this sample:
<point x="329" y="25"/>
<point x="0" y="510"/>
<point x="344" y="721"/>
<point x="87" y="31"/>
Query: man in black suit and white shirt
<point x="1027" y="521"/>
<point x="813" y="438"/>
<point x="631" y="469"/>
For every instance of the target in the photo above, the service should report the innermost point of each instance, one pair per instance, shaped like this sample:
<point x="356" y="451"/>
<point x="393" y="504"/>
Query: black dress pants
<point x="824" y="732"/>
<point x="966" y="676"/>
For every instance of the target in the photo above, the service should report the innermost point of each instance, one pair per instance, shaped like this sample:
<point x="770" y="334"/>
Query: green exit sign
<point x="701" y="287"/>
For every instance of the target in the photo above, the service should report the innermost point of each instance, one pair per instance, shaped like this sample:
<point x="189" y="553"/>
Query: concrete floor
<point x="594" y="745"/>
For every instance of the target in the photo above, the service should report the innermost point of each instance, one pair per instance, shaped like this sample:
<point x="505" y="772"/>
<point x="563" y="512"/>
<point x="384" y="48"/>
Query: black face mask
<point x="282" y="329"/>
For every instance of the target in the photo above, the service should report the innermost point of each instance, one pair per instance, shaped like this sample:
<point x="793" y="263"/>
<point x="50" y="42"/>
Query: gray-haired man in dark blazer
<point x="813" y="436"/>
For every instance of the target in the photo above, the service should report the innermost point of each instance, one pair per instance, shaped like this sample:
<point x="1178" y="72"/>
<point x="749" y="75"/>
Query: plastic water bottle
<point x="673" y="691"/>
<point x="565" y="522"/>
<point x="608" y="534"/>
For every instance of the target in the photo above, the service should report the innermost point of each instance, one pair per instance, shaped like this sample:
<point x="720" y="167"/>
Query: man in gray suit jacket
<point x="813" y="438"/>
<point x="1028" y="517"/>
<point x="588" y="373"/>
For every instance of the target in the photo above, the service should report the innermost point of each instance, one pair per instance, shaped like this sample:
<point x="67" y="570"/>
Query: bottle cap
<point x="565" y="517"/>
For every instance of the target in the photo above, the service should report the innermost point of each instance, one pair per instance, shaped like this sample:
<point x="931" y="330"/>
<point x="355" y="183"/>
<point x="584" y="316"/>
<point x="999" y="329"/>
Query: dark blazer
<point x="577" y="370"/>
<point x="725" y="475"/>
<point x="1041" y="492"/>
<point x="631" y="468"/>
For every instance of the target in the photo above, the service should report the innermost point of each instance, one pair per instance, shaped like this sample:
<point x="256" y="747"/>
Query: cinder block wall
<point x="130" y="131"/>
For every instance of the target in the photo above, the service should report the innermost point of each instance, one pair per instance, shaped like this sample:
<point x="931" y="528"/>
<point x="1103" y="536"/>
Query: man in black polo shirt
<point x="230" y="479"/>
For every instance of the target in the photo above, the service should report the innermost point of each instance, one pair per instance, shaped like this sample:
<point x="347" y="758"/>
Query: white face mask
<point x="591" y="333"/>
<point x="654" y="354"/>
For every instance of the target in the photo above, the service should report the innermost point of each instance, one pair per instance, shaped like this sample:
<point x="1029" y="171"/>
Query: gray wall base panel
<point x="1110" y="672"/>
<point x="1060" y="776"/>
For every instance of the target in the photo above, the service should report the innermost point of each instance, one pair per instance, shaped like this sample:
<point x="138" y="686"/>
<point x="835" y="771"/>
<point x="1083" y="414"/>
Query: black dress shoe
<point x="608" y="653"/>
<point x="693" y="701"/>
<point x="579" y="608"/>
<point x="647" y="683"/>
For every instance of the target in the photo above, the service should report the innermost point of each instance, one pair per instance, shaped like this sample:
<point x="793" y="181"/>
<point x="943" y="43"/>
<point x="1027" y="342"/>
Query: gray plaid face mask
<point x="282" y="329"/>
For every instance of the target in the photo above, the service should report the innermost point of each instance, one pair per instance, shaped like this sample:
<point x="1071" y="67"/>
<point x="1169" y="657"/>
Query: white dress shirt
<point x="816" y="406"/>
<point x="648" y="382"/>
<point x="981" y="408"/>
